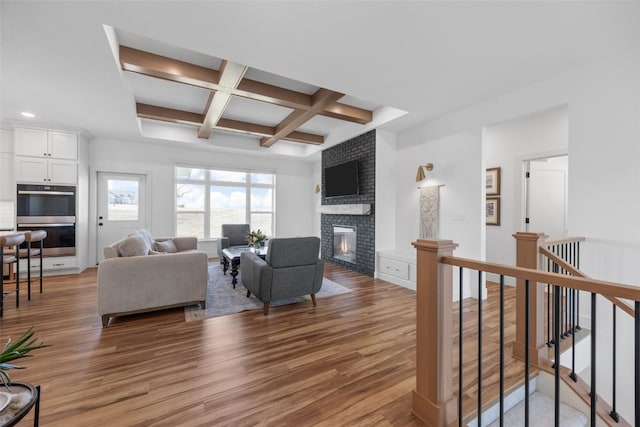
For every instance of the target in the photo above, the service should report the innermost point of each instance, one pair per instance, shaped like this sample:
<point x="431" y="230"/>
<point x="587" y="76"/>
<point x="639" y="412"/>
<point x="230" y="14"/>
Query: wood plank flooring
<point x="348" y="361"/>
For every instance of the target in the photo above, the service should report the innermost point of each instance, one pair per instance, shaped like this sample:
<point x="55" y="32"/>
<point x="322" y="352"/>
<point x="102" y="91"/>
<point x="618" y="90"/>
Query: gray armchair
<point x="291" y="269"/>
<point x="232" y="235"/>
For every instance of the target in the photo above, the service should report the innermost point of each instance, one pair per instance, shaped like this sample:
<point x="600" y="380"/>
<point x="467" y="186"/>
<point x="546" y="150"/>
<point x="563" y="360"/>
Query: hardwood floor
<point x="348" y="361"/>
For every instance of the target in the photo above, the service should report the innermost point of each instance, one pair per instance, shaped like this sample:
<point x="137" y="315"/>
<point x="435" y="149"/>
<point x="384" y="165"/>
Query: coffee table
<point x="232" y="257"/>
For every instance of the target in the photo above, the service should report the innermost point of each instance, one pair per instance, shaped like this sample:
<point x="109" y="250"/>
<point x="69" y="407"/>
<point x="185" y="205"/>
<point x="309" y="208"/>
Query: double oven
<point x="51" y="208"/>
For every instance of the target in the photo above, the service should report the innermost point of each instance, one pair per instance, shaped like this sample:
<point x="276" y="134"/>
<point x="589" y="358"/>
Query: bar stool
<point x="10" y="240"/>
<point x="30" y="237"/>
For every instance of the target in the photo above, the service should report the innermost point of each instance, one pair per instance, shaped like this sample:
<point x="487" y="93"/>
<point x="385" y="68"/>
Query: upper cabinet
<point x="45" y="144"/>
<point x="45" y="156"/>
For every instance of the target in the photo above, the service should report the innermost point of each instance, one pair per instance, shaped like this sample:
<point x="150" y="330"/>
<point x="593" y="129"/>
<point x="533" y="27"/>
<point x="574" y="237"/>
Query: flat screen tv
<point x="341" y="180"/>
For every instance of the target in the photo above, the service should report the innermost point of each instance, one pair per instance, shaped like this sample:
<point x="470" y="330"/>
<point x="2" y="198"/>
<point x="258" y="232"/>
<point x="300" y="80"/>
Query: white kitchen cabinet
<point x="45" y="144"/>
<point x="63" y="145"/>
<point x="48" y="264"/>
<point x="51" y="171"/>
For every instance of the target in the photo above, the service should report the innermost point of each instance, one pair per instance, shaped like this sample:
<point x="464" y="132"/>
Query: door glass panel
<point x="123" y="198"/>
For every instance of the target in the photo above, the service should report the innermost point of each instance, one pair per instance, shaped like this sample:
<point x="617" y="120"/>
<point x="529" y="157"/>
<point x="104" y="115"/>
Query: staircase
<point x="550" y="394"/>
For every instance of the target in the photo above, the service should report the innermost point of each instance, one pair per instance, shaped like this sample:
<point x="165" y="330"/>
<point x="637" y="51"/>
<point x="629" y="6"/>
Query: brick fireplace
<point x="361" y="257"/>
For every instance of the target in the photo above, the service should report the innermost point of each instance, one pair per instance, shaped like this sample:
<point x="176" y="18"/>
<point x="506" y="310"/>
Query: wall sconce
<point x="317" y="188"/>
<point x="421" y="175"/>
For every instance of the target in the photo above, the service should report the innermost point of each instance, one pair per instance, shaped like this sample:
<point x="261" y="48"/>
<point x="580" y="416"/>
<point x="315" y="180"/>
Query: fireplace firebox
<point x="344" y="243"/>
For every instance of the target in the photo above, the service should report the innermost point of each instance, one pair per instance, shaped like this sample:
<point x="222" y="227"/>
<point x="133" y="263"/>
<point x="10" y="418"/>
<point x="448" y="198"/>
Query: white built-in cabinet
<point x="43" y="156"/>
<point x="396" y="268"/>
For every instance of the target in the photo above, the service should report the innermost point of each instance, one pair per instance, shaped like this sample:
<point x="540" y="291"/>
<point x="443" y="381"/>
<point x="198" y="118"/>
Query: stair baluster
<point x="556" y="352"/>
<point x="594" y="392"/>
<point x="460" y="323"/>
<point x="614" y="414"/>
<point x="479" y="348"/>
<point x="501" y="350"/>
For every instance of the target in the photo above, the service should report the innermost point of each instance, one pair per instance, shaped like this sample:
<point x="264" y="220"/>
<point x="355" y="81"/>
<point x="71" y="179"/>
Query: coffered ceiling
<point x="231" y="101"/>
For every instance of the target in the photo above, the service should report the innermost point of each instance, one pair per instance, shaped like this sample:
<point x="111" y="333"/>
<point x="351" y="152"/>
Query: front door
<point x="121" y="207"/>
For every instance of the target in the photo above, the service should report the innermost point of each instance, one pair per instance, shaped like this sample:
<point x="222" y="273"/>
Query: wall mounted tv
<point x="341" y="180"/>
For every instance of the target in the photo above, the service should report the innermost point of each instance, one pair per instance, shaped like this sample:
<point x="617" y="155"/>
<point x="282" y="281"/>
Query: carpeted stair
<point x="541" y="414"/>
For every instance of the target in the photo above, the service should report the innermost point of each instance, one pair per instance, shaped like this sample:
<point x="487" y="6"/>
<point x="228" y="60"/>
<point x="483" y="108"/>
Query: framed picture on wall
<point x="493" y="211"/>
<point x="493" y="181"/>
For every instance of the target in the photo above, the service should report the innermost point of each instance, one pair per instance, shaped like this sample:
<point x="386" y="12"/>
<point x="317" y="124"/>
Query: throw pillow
<point x="133" y="246"/>
<point x="166" y="246"/>
<point x="152" y="252"/>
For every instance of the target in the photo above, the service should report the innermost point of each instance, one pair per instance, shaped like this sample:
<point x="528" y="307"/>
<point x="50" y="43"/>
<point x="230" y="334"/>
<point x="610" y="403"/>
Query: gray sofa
<point x="140" y="274"/>
<point x="291" y="269"/>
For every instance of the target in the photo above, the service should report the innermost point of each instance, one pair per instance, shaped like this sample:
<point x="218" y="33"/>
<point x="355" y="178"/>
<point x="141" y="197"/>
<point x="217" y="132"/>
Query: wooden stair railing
<point x="434" y="400"/>
<point x="555" y="253"/>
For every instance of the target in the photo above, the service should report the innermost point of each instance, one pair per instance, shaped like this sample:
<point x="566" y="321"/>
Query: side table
<point x="10" y="416"/>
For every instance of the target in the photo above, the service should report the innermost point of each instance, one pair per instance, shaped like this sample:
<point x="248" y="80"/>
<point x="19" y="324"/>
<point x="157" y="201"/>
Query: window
<point x="208" y="198"/>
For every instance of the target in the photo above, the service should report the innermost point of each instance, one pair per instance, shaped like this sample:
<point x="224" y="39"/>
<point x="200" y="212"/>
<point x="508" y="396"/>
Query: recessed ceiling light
<point x="28" y="114"/>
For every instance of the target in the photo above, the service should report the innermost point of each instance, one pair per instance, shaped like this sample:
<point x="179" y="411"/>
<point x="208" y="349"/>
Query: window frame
<point x="207" y="182"/>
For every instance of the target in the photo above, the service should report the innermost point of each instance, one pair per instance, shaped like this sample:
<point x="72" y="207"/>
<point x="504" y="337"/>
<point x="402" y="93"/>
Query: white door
<point x="121" y="207"/>
<point x="547" y="196"/>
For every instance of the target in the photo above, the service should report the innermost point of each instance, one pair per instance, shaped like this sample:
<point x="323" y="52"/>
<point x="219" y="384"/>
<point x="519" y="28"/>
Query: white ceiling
<point x="427" y="58"/>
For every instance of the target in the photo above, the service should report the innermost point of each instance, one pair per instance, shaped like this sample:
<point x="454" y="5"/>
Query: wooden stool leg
<point x="41" y="250"/>
<point x="17" y="276"/>
<point x="29" y="271"/>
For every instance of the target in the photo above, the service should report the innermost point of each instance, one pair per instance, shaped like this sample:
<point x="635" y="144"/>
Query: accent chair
<point x="232" y="235"/>
<point x="291" y="269"/>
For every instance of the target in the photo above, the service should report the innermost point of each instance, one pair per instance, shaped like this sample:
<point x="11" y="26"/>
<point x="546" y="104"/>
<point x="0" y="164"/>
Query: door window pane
<point x="190" y="197"/>
<point x="123" y="200"/>
<point x="190" y="224"/>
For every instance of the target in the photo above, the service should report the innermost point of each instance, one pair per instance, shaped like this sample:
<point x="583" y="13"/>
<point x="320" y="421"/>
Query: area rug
<point x="223" y="299"/>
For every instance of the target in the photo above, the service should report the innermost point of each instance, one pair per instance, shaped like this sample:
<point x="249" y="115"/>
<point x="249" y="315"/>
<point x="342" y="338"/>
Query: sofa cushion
<point x="133" y="246"/>
<point x="166" y="246"/>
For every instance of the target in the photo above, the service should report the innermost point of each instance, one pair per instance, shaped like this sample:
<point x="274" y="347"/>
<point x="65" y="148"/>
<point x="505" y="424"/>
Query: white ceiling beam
<point x="231" y="74"/>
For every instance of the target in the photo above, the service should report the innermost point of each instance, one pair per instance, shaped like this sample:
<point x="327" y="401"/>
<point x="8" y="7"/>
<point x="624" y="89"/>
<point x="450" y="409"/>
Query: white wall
<point x="508" y="144"/>
<point x="294" y="186"/>
<point x="604" y="130"/>
<point x="385" y="207"/>
<point x="457" y="165"/>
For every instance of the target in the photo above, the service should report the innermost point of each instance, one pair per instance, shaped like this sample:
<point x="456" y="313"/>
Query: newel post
<point x="433" y="401"/>
<point x="528" y="256"/>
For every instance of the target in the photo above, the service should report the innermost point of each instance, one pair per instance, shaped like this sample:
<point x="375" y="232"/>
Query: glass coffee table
<point x="232" y="258"/>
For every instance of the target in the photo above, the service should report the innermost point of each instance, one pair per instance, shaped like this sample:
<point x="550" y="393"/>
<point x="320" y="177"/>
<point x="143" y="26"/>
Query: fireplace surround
<point x="363" y="149"/>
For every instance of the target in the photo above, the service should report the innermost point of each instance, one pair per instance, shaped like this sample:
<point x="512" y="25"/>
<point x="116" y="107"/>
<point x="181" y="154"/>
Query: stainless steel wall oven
<point x="51" y="208"/>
